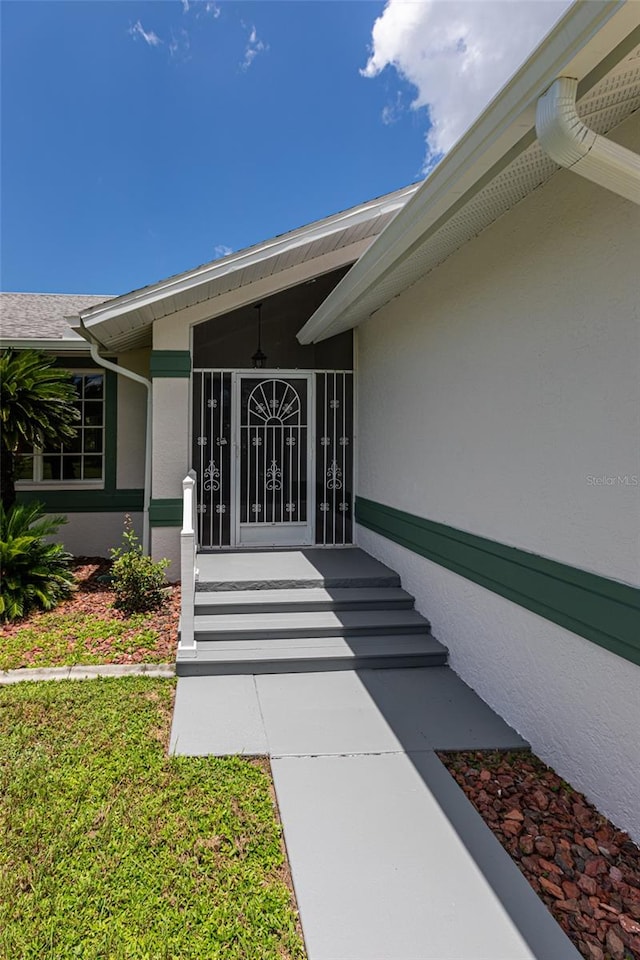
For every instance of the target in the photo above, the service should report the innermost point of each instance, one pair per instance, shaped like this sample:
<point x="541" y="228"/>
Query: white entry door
<point x="274" y="468"/>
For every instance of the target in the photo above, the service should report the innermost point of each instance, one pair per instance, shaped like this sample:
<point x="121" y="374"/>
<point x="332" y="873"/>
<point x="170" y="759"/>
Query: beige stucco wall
<point x="494" y="395"/>
<point x="171" y="427"/>
<point x="132" y="414"/>
<point x="165" y="543"/>
<point x="94" y="534"/>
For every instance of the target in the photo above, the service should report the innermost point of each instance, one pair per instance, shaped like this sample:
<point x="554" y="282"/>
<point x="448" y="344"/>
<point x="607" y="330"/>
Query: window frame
<point x="37" y="482"/>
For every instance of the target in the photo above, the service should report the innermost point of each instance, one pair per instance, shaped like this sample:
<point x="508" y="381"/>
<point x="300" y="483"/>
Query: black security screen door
<point x="273" y="451"/>
<point x="273" y="461"/>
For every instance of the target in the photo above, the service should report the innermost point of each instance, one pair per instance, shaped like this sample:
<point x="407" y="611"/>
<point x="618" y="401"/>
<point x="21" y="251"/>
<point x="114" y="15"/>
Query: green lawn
<point x="110" y="849"/>
<point x="65" y="639"/>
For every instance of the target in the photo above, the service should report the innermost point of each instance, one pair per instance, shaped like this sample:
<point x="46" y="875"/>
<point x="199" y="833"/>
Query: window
<point x="81" y="459"/>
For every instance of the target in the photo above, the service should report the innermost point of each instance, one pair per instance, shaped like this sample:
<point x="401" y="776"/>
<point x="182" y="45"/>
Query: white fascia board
<point x="48" y="346"/>
<point x="589" y="30"/>
<point x="233" y="263"/>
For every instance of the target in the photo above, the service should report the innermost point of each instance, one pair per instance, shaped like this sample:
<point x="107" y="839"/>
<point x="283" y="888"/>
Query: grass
<point x="112" y="850"/>
<point x="65" y="639"/>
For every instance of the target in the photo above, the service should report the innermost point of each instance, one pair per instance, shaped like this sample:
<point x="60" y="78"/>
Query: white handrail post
<point x="188" y="554"/>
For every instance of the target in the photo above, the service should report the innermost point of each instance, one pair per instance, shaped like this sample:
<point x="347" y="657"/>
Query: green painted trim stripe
<point x="166" y="513"/>
<point x="601" y="610"/>
<point x="86" y="501"/>
<point x="170" y="363"/>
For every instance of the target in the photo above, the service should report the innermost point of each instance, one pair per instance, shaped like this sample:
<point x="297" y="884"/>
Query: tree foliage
<point x="36" y="409"/>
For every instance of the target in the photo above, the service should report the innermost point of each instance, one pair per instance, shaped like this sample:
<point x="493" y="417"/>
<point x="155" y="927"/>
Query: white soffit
<point x="125" y="322"/>
<point x="391" y="264"/>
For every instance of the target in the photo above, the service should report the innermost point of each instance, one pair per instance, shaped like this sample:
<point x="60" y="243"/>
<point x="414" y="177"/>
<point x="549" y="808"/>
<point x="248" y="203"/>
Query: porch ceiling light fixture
<point x="259" y="359"/>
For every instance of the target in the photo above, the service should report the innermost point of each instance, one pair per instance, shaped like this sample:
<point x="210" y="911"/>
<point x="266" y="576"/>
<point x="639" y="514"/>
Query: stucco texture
<point x="500" y="394"/>
<point x="132" y="419"/>
<point x="94" y="534"/>
<point x="576" y="703"/>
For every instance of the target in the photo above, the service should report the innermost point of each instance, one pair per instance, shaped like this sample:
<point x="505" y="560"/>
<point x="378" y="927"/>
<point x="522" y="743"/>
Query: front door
<point x="273" y="451"/>
<point x="273" y="459"/>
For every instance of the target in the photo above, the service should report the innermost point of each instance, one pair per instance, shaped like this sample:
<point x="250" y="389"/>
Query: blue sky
<point x="126" y="160"/>
<point x="140" y="139"/>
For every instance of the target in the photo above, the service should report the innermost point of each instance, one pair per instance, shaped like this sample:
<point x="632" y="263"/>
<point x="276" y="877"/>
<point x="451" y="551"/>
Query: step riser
<point x="199" y="668"/>
<point x="350" y="614"/>
<point x="328" y="584"/>
<point x="264" y="636"/>
<point x="311" y="606"/>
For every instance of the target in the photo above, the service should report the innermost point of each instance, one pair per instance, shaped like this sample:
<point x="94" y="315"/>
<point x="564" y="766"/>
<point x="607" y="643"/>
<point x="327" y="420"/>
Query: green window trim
<point x="106" y="498"/>
<point x="604" y="611"/>
<point x="170" y="363"/>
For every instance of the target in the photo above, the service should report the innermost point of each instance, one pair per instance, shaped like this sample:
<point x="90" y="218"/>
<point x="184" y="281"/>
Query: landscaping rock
<point x="588" y="884"/>
<point x="545" y="847"/>
<point x="585" y="870"/>
<point x="593" y="951"/>
<point x="552" y="888"/>
<point x="615" y="944"/>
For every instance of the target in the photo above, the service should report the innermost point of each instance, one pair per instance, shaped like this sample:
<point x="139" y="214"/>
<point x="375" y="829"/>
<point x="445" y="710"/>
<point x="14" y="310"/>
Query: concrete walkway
<point x="389" y="859"/>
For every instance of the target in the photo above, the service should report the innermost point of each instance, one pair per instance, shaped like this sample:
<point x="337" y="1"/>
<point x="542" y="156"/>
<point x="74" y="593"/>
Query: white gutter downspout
<point x="130" y="375"/>
<point x="570" y="143"/>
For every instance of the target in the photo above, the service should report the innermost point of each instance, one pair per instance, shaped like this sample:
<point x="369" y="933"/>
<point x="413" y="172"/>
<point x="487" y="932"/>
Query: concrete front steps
<point x="295" y="611"/>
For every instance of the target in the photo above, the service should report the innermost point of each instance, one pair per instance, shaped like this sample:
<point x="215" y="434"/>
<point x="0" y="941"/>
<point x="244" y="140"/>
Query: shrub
<point x="37" y="409"/>
<point x="34" y="574"/>
<point x="138" y="581"/>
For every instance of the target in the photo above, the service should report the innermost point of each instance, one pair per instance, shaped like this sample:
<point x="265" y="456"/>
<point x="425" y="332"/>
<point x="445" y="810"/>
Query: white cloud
<point x="179" y="45"/>
<point x="391" y="112"/>
<point x="457" y="54"/>
<point x="222" y="251"/>
<point x="253" y="48"/>
<point x="150" y="38"/>
<point x="201" y="6"/>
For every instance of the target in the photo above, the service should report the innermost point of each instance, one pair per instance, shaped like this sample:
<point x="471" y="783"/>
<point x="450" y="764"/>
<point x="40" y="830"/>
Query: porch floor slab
<point x="313" y="567"/>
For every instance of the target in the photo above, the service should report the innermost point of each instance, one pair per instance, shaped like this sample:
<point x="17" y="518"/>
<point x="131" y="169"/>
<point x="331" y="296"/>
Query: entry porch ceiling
<point x="125" y="323"/>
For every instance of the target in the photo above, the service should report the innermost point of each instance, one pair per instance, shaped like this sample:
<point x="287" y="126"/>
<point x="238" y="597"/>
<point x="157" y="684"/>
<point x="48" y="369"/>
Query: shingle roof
<point x="40" y="316"/>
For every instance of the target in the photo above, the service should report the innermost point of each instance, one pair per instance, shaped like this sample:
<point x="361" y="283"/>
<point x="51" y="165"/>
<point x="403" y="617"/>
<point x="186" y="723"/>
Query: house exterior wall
<point x="170" y="370"/>
<point x="505" y="384"/>
<point x="95" y="534"/>
<point x="132" y="421"/>
<point x="95" y="510"/>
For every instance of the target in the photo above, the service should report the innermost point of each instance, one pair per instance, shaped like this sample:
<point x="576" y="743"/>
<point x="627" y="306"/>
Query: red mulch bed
<point x="95" y="597"/>
<point x="585" y="870"/>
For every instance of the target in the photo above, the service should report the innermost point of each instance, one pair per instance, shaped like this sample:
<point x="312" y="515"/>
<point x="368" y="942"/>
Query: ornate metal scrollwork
<point x="334" y="476"/>
<point x="274" y="477"/>
<point x="212" y="477"/>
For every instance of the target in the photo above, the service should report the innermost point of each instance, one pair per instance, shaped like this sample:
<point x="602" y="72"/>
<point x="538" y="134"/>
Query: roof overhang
<point x="497" y="162"/>
<point x="77" y="345"/>
<point x="124" y="322"/>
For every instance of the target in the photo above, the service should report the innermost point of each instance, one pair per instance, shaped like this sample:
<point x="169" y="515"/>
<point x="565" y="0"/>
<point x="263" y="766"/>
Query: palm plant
<point x="36" y="409"/>
<point x="34" y="574"/>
